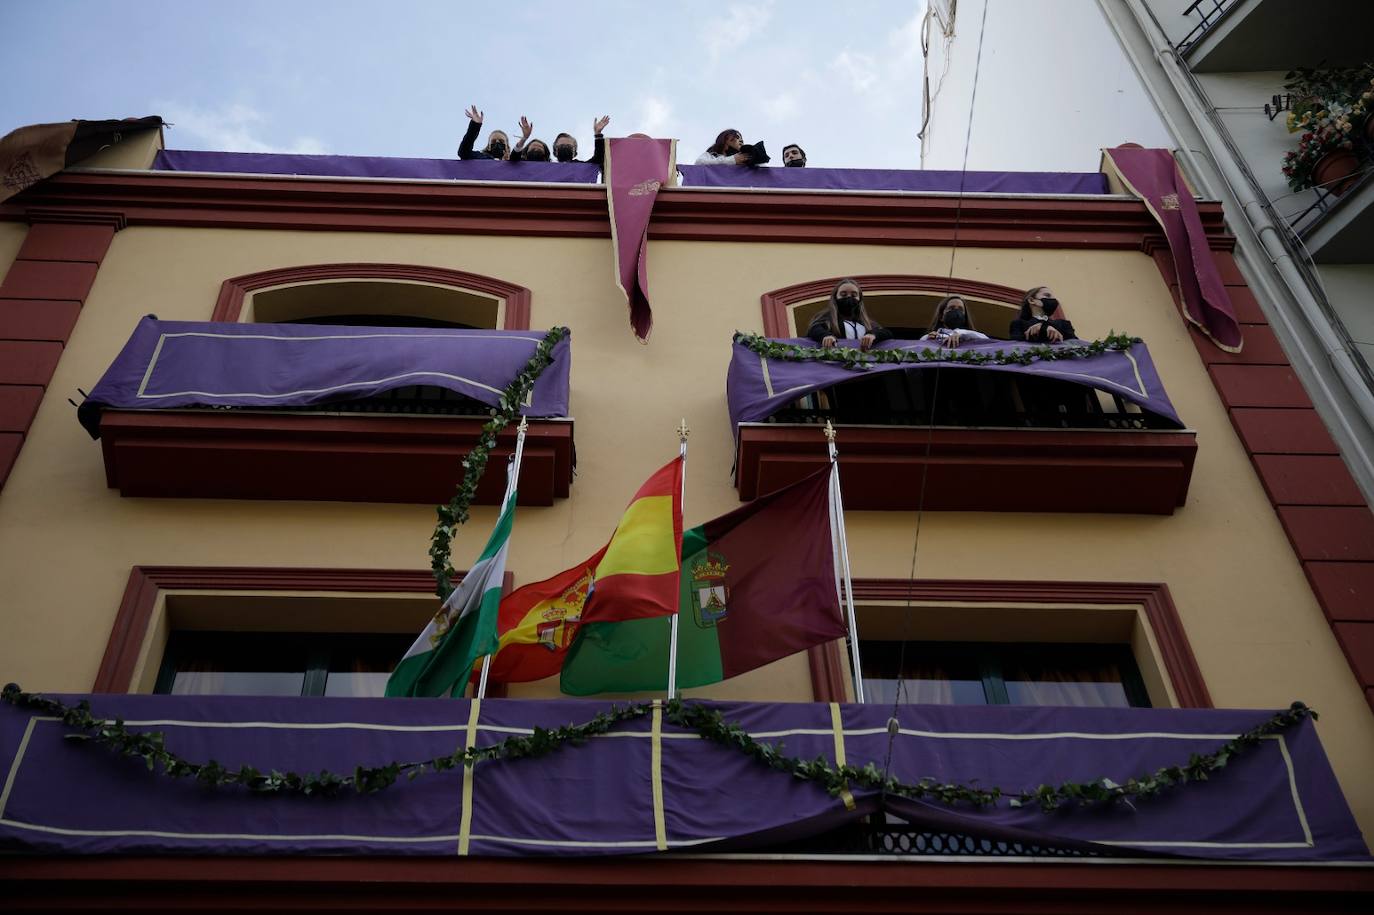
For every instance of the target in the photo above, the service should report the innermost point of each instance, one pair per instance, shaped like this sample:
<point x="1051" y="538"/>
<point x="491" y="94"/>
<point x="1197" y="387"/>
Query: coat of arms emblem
<point x="710" y="594"/>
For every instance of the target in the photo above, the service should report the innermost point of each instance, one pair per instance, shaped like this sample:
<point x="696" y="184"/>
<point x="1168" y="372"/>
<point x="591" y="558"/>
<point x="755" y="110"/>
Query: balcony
<point x="1090" y="435"/>
<point x="1275" y="801"/>
<point x="260" y="411"/>
<point x="1337" y="229"/>
<point x="1245" y="35"/>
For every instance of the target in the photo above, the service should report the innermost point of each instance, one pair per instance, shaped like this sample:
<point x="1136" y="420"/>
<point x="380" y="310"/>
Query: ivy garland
<point x="455" y="513"/>
<point x="855" y="359"/>
<point x="708" y="723"/>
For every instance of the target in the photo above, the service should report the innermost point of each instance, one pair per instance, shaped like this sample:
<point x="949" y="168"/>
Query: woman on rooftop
<point x="846" y="319"/>
<point x="725" y="151"/>
<point x="952" y="324"/>
<point x="498" y="144"/>
<point x="1041" y="319"/>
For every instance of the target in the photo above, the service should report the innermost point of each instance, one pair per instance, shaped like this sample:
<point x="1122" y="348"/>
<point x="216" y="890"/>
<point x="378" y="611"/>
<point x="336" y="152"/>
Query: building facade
<point x="1223" y="562"/>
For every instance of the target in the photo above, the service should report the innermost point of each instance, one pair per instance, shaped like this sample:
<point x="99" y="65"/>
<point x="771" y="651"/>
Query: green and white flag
<point x="440" y="662"/>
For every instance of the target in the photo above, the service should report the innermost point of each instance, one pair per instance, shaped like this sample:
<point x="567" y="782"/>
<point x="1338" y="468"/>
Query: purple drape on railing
<point x="187" y="160"/>
<point x="203" y="364"/>
<point x="1153" y="176"/>
<point x="636" y="168"/>
<point x="1278" y="801"/>
<point x="756" y="387"/>
<point x="887" y="179"/>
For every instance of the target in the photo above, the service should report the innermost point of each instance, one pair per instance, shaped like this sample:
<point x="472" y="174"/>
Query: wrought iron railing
<point x="902" y="840"/>
<point x="1209" y="16"/>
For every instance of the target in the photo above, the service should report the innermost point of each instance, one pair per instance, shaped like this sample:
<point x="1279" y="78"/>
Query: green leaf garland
<point x="455" y="513"/>
<point x="860" y="360"/>
<point x="707" y="722"/>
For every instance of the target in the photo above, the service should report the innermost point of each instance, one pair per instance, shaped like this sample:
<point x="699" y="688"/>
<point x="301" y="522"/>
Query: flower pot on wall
<point x="1335" y="171"/>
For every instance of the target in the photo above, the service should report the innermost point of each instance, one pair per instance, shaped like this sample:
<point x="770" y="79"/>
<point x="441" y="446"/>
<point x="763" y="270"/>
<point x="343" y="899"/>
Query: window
<point x="974" y="673"/>
<point x="279" y="663"/>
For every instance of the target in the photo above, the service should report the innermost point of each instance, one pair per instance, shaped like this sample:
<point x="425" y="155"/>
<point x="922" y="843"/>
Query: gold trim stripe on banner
<point x="837" y="724"/>
<point x="656" y="764"/>
<point x="465" y="822"/>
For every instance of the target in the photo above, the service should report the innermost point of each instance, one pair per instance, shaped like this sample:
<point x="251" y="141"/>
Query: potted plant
<point x="1330" y="109"/>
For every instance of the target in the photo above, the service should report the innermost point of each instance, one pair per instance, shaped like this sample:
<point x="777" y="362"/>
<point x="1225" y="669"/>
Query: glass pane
<point x="932" y="674"/>
<point x="1079" y="677"/>
<point x="356" y="684"/>
<point x="238" y="683"/>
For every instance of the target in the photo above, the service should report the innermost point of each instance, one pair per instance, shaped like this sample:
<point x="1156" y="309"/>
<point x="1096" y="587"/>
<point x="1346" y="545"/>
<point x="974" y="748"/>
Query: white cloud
<point x="737" y="26"/>
<point x="655" y="115"/>
<point x="781" y="107"/>
<point x="906" y="38"/>
<point x="231" y="128"/>
<point x="859" y="70"/>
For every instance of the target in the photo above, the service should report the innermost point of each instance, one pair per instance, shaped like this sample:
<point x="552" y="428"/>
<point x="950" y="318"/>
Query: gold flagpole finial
<point x="829" y="432"/>
<point x="682" y="430"/>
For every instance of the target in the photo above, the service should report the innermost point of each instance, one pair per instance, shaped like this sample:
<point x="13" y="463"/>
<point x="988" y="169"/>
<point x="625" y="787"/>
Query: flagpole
<point x="848" y="594"/>
<point x="682" y="433"/>
<point x="512" y="481"/>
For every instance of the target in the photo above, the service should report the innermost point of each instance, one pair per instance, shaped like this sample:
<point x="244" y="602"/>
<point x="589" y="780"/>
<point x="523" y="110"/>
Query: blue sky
<point x="392" y="79"/>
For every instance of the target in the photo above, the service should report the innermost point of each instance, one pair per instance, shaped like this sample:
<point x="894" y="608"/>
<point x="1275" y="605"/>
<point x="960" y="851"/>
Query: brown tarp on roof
<point x="30" y="154"/>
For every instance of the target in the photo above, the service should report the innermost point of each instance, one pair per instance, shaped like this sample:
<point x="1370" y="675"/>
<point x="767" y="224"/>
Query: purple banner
<point x="636" y="167"/>
<point x="186" y="160"/>
<point x="757" y="387"/>
<point x="883" y="179"/>
<point x="169" y="364"/>
<point x="1153" y="176"/>
<point x="1278" y="801"/>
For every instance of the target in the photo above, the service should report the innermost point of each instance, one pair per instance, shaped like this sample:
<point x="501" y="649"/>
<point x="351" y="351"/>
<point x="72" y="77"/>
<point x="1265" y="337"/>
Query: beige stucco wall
<point x="67" y="542"/>
<point x="11" y="239"/>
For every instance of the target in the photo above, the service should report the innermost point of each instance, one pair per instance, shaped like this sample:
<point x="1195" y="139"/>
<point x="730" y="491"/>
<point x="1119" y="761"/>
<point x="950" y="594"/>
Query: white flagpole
<point x="838" y="531"/>
<point x="512" y="481"/>
<point x="682" y="433"/>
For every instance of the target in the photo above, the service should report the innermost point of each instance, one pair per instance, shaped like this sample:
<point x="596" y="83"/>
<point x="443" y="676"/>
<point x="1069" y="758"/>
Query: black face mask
<point x="847" y="304"/>
<point x="1048" y="305"/>
<point x="954" y="320"/>
<point x="538" y="155"/>
<point x="564" y="152"/>
<point x="496" y="150"/>
<point x="795" y="163"/>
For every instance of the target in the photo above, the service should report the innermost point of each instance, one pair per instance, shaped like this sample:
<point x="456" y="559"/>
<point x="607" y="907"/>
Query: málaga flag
<point x="635" y="574"/>
<point x="756" y="585"/>
<point x="464" y="629"/>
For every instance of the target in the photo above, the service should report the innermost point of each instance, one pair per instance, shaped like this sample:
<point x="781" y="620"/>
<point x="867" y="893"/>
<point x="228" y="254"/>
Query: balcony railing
<point x="295" y="411"/>
<point x="1209" y="13"/>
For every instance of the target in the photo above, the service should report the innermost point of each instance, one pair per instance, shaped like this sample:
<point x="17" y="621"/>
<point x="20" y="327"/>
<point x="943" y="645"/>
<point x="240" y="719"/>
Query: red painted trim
<point x="776" y="302"/>
<point x="977" y="469"/>
<point x="643" y="884"/>
<point x="147" y="582"/>
<point x="1327" y="521"/>
<point x="229" y="305"/>
<point x="317" y="456"/>
<point x="170" y="199"/>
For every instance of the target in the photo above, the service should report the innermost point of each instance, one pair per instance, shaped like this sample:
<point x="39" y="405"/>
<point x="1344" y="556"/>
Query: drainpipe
<point x="1241" y="195"/>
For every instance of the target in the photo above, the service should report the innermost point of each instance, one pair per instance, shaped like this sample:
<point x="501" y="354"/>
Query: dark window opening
<point x="279" y="663"/>
<point x="969" y="398"/>
<point x="974" y="673"/>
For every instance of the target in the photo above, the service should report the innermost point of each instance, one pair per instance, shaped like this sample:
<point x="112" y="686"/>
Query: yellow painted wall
<point x="67" y="543"/>
<point x="11" y="238"/>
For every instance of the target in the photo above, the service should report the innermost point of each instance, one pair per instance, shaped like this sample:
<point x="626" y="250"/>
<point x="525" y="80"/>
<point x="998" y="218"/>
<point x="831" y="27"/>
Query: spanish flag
<point x="635" y="576"/>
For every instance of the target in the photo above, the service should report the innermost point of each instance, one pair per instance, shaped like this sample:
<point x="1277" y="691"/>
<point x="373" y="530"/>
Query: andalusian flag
<point x="637" y="577"/>
<point x="464" y="629"/>
<point x="757" y="585"/>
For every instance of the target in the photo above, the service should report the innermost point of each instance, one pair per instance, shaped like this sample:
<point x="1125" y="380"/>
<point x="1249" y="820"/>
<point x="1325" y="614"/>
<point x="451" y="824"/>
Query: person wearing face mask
<point x="793" y="156"/>
<point x="498" y="144"/>
<point x="725" y="151"/>
<point x="1041" y="319"/>
<point x="952" y="324"/>
<point x="846" y="319"/>
<point x="565" y="144"/>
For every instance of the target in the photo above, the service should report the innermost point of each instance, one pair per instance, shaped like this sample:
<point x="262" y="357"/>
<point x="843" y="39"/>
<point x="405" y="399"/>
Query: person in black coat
<point x="498" y="144"/>
<point x="1041" y="319"/>
<point x="846" y="319"/>
<point x="565" y="144"/>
